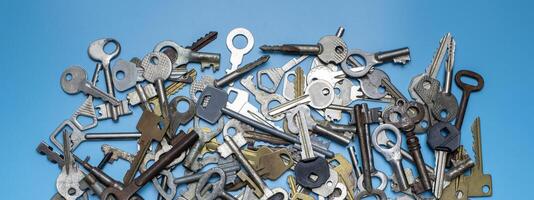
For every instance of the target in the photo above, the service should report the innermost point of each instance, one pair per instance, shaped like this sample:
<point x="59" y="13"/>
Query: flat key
<point x="445" y="105"/>
<point x="74" y="80"/>
<point x="467" y="90"/>
<point x="478" y="182"/>
<point x="329" y="49"/>
<point x="185" y="55"/>
<point x="158" y="68"/>
<point x="392" y="154"/>
<point x="276" y="74"/>
<point x="356" y="69"/>
<point x="152" y="128"/>
<point x="237" y="54"/>
<point x="444" y="138"/>
<point x="319" y="94"/>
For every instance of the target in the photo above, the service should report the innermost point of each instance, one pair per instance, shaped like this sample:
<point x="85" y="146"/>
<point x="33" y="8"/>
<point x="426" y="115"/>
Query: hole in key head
<point x="239" y="41"/>
<point x="71" y="191"/>
<point x="120" y="75"/>
<point x="266" y="81"/>
<point x="313" y="177"/>
<point x="485" y="189"/>
<point x="84" y="120"/>
<point x="232" y="131"/>
<point x="334" y="163"/>
<point x="395" y="117"/>
<point x="467" y="80"/>
<point x="443" y="113"/>
<point x="325" y="91"/>
<point x="285" y="158"/>
<point x="375" y="181"/>
<point x="459" y="194"/>
<point x="273" y="104"/>
<point x="337" y="91"/>
<point x="198" y="93"/>
<point x="339" y="49"/>
<point x="357" y="62"/>
<point x="426" y="85"/>
<point x="381" y="89"/>
<point x="231" y="96"/>
<point x="423" y="124"/>
<point x="444" y="132"/>
<point x="110" y="47"/>
<point x="291" y="77"/>
<point x="183" y="106"/>
<point x="154" y="60"/>
<point x="68" y="77"/>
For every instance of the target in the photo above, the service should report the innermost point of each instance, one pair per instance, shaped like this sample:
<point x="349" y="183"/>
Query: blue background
<point x="41" y="38"/>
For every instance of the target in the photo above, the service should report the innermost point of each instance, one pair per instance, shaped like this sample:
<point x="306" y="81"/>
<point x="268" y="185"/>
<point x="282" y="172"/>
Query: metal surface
<point x="237" y="54"/>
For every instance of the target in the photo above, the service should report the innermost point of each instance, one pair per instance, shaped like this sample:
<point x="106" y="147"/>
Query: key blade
<point x="477" y="146"/>
<point x="433" y="68"/>
<point x="293" y="62"/>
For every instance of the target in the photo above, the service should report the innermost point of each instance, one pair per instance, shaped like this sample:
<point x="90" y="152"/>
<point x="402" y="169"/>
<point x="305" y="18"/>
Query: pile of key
<point x="254" y="147"/>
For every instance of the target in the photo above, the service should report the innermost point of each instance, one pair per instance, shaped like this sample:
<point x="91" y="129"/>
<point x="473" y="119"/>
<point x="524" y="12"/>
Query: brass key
<point x="478" y="182"/>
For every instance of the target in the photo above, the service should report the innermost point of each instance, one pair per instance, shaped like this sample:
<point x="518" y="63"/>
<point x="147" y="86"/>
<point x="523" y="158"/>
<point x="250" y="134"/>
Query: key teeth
<point x="475" y="130"/>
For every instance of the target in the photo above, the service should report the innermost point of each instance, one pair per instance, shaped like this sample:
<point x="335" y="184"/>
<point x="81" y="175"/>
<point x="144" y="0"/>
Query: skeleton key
<point x="68" y="181"/>
<point x="445" y="105"/>
<point x="185" y="55"/>
<point x="319" y="94"/>
<point x="479" y="184"/>
<point x="263" y="98"/>
<point x="74" y="80"/>
<point x="96" y="52"/>
<point x="401" y="55"/>
<point x="237" y="54"/>
<point x="158" y="68"/>
<point x="152" y="127"/>
<point x="207" y="190"/>
<point x="329" y="49"/>
<point x="275" y="74"/>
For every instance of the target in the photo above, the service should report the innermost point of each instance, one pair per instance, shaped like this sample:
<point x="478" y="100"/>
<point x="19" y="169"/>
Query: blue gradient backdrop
<point x="39" y="39"/>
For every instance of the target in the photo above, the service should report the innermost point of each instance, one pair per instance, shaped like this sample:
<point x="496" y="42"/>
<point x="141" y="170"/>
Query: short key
<point x="319" y="94"/>
<point x="185" y="55"/>
<point x="97" y="53"/>
<point x="275" y="74"/>
<point x="401" y="55"/>
<point x="158" y="68"/>
<point x="329" y="49"/>
<point x="445" y="105"/>
<point x="392" y="154"/>
<point x="237" y="54"/>
<point x="74" y="80"/>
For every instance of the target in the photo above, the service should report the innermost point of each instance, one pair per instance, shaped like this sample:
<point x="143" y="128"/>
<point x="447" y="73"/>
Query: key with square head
<point x="311" y="171"/>
<point x="211" y="105"/>
<point x="444" y="138"/>
<point x="479" y="184"/>
<point x="158" y="68"/>
<point x="185" y="55"/>
<point x="74" y="80"/>
<point x="275" y="74"/>
<point x="319" y="94"/>
<point x="97" y="53"/>
<point x="353" y="68"/>
<point x="329" y="49"/>
<point x="445" y="105"/>
<point x="237" y="54"/>
<point x="152" y="128"/>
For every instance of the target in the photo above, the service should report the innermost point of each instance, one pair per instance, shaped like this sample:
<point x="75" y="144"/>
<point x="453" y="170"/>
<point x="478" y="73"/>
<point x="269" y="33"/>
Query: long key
<point x="158" y="68"/>
<point x="152" y="127"/>
<point x="393" y="154"/>
<point x="211" y="106"/>
<point x="68" y="181"/>
<point x="477" y="181"/>
<point x="444" y="138"/>
<point x="401" y="55"/>
<point x="311" y="171"/>
<point x="129" y="190"/>
<point x="445" y="105"/>
<point x="74" y="80"/>
<point x="237" y="54"/>
<point x="319" y="94"/>
<point x="275" y="74"/>
<point x="96" y="52"/>
<point x="77" y="139"/>
<point x="185" y="55"/>
<point x="329" y="49"/>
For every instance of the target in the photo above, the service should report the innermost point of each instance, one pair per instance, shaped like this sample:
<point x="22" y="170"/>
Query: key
<point x="68" y="181"/>
<point x="87" y="108"/>
<point x="157" y="68"/>
<point x="445" y="105"/>
<point x="393" y="154"/>
<point x="444" y="138"/>
<point x="203" y="138"/>
<point x="295" y="194"/>
<point x="242" y="106"/>
<point x="77" y="139"/>
<point x="96" y="52"/>
<point x="294" y="88"/>
<point x="309" y="164"/>
<point x="329" y="49"/>
<point x="237" y="54"/>
<point x="232" y="147"/>
<point x="467" y="90"/>
<point x="127" y="73"/>
<point x="353" y="68"/>
<point x="263" y="98"/>
<point x="208" y="190"/>
<point x="185" y="55"/>
<point x="346" y="175"/>
<point x="479" y="184"/>
<point x="180" y="118"/>
<point x="319" y="94"/>
<point x="74" y="80"/>
<point x="129" y="190"/>
<point x="275" y="74"/>
<point x="152" y="128"/>
<point x="371" y="85"/>
<point x="195" y="46"/>
<point x="211" y="105"/>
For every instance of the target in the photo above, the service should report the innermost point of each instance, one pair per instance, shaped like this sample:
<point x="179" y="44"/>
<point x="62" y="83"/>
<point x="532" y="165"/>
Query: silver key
<point x="371" y="84"/>
<point x="263" y="98"/>
<point x="293" y="125"/>
<point x="445" y="106"/>
<point x="74" y="80"/>
<point x="126" y="74"/>
<point x="242" y="106"/>
<point x="325" y="73"/>
<point x="97" y="53"/>
<point x="68" y="181"/>
<point x="401" y="56"/>
<point x="237" y="54"/>
<point x="184" y="55"/>
<point x="393" y="154"/>
<point x="319" y="94"/>
<point x="275" y="74"/>
<point x="104" y="110"/>
<point x="158" y="68"/>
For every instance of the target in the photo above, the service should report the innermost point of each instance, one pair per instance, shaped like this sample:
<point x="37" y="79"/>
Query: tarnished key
<point x="185" y="55"/>
<point x="275" y="74"/>
<point x="68" y="182"/>
<point x="479" y="184"/>
<point x="353" y="68"/>
<point x="74" y="80"/>
<point x="158" y="68"/>
<point x="445" y="105"/>
<point x="330" y="49"/>
<point x="319" y="94"/>
<point x="152" y="127"/>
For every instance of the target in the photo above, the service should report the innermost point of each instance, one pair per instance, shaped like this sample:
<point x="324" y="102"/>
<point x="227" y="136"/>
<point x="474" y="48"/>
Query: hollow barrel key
<point x="185" y="55"/>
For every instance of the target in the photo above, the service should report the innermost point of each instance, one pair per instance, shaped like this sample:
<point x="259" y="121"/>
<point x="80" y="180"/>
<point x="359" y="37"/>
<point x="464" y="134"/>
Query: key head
<point x="355" y="69"/>
<point x="177" y="117"/>
<point x="371" y="84"/>
<point x="393" y="153"/>
<point x="210" y="104"/>
<point x="321" y="94"/>
<point x="207" y="190"/>
<point x="97" y="53"/>
<point x="157" y="66"/>
<point x="426" y="88"/>
<point x="72" y="78"/>
<point x="152" y="126"/>
<point x="333" y="49"/>
<point x="129" y="75"/>
<point x="317" y="166"/>
<point x="444" y="137"/>
<point x="445" y="107"/>
<point x="465" y="86"/>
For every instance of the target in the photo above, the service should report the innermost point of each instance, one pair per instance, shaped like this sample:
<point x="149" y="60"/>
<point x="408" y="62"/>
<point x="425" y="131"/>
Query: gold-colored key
<point x="295" y="195"/>
<point x="345" y="170"/>
<point x="273" y="165"/>
<point x="457" y="188"/>
<point x="479" y="183"/>
<point x="171" y="89"/>
<point x="300" y="82"/>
